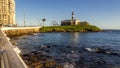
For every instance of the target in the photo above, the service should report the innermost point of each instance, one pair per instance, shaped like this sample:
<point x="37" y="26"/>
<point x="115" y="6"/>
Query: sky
<point x="102" y="13"/>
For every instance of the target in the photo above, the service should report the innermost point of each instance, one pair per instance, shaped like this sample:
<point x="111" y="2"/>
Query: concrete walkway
<point x="11" y="58"/>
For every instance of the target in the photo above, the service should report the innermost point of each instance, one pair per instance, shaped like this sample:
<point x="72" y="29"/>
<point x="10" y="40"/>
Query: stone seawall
<point x="18" y="31"/>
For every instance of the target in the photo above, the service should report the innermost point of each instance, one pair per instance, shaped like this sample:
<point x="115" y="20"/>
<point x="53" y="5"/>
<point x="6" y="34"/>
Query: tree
<point x="43" y="20"/>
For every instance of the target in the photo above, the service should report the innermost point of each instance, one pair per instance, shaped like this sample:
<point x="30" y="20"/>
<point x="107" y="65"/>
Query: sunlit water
<point x="70" y="48"/>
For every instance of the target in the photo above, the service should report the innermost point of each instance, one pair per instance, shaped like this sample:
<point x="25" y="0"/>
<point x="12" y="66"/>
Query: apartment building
<point x="7" y="12"/>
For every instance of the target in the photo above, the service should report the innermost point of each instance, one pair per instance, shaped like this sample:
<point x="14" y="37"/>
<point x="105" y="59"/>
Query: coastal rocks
<point x="39" y="60"/>
<point x="102" y="50"/>
<point x="51" y="56"/>
<point x="56" y="56"/>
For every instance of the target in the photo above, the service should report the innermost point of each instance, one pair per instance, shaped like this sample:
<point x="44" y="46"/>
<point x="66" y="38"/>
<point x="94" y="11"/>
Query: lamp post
<point x="43" y="20"/>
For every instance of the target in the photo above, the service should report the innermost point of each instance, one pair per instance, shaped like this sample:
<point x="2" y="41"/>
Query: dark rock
<point x="25" y="55"/>
<point x="99" y="50"/>
<point x="48" y="46"/>
<point x="42" y="49"/>
<point x="101" y="62"/>
<point x="47" y="51"/>
<point x="54" y="45"/>
<point x="47" y="56"/>
<point x="68" y="46"/>
<point x="44" y="59"/>
<point x="60" y="49"/>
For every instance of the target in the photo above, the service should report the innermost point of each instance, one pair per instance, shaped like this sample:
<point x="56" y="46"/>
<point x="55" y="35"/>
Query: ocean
<point x="75" y="49"/>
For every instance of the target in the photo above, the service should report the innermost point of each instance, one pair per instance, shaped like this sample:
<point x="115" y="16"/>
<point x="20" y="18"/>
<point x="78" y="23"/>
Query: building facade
<point x="70" y="22"/>
<point x="7" y="12"/>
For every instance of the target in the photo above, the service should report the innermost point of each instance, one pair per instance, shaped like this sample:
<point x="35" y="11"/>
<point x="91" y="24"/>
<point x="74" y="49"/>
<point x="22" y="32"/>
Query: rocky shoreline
<point x="53" y="56"/>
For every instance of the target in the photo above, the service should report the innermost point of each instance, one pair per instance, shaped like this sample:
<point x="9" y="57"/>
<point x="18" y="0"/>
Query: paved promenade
<point x="10" y="57"/>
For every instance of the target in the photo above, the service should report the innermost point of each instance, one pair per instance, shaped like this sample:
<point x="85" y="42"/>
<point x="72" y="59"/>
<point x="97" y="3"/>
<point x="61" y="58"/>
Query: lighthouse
<point x="71" y="21"/>
<point x="73" y="15"/>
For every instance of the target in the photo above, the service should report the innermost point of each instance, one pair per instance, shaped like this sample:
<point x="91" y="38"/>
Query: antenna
<point x="31" y="24"/>
<point x="38" y="22"/>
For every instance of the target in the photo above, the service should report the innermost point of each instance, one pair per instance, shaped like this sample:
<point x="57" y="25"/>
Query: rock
<point x="34" y="53"/>
<point x="68" y="65"/>
<point x="72" y="51"/>
<point x="108" y="52"/>
<point x="96" y="50"/>
<point x="68" y="46"/>
<point x="54" y="45"/>
<point x="99" y="50"/>
<point x="60" y="49"/>
<point x="50" y="64"/>
<point x="111" y="53"/>
<point x="33" y="59"/>
<point x="39" y="51"/>
<point x="47" y="56"/>
<point x="48" y="46"/>
<point x="43" y="46"/>
<point x="91" y="49"/>
<point x="59" y="66"/>
<point x="25" y="55"/>
<point x="101" y="62"/>
<point x="47" y="51"/>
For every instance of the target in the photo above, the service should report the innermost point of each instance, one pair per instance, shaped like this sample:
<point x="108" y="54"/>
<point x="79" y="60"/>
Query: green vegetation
<point x="72" y="28"/>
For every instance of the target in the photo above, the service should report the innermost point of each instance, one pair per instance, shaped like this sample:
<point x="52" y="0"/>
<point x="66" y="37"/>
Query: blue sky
<point x="102" y="13"/>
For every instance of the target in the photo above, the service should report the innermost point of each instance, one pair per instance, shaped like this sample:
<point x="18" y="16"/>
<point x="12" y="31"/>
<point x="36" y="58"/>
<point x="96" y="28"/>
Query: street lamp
<point x="43" y="20"/>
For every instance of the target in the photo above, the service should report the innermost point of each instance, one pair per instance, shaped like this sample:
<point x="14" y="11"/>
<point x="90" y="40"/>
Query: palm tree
<point x="43" y="20"/>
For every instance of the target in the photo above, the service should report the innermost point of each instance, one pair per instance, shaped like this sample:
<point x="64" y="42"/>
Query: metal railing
<point x="3" y="56"/>
<point x="8" y="56"/>
<point x="4" y="59"/>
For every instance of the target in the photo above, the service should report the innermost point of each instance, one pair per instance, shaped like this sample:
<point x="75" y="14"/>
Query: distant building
<point x="70" y="22"/>
<point x="73" y="21"/>
<point x="84" y="23"/>
<point x="7" y="12"/>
